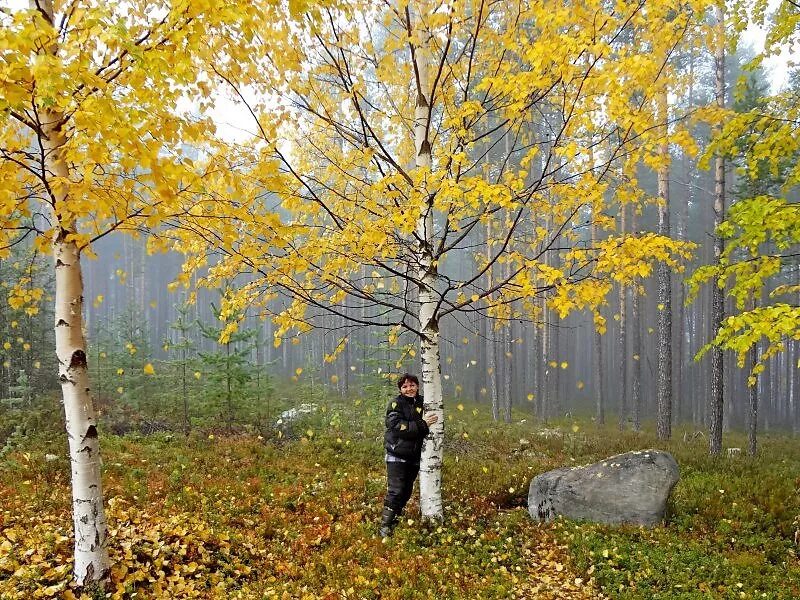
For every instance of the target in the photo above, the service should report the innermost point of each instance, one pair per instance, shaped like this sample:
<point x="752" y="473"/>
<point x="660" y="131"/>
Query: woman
<point x="406" y="428"/>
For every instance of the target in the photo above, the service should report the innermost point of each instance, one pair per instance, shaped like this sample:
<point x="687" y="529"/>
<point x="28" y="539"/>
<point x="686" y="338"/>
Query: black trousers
<point x="400" y="483"/>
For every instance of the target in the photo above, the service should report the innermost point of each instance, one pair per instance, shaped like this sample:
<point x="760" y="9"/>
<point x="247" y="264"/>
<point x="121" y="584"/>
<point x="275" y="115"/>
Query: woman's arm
<point x="408" y="429"/>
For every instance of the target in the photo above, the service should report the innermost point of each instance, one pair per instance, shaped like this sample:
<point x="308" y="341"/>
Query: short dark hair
<point x="407" y="377"/>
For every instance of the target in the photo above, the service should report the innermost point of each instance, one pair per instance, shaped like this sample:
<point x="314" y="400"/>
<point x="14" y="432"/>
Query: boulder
<point x="627" y="488"/>
<point x="287" y="417"/>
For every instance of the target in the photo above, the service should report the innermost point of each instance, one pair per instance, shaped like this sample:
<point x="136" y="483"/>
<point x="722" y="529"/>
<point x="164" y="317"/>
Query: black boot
<point x="388" y="521"/>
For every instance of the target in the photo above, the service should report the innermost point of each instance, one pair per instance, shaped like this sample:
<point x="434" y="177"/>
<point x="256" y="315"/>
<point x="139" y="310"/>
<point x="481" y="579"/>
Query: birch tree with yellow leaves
<point x="92" y="141"/>
<point x="405" y="131"/>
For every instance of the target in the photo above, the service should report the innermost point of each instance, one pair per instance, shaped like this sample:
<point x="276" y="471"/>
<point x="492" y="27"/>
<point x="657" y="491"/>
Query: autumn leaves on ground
<point x="245" y="516"/>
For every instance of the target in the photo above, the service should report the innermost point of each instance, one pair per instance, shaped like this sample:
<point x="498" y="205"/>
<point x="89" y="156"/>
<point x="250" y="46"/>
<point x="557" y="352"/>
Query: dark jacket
<point x="405" y="428"/>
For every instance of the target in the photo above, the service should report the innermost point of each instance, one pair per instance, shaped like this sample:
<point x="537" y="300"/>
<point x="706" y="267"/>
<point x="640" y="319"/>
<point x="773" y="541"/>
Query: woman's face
<point x="409" y="388"/>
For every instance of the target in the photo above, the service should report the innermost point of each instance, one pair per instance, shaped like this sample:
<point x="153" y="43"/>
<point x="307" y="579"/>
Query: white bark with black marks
<point x="430" y="471"/>
<point x="91" y="555"/>
<point x="92" y="563"/>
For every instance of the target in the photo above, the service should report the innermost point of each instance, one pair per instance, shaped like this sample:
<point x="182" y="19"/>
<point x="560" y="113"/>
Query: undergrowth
<point x="292" y="513"/>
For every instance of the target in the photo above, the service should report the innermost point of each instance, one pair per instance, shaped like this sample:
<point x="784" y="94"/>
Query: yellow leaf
<point x="149" y="370"/>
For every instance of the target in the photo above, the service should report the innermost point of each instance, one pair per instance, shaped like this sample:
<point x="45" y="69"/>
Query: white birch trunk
<point x="91" y="555"/>
<point x="430" y="471"/>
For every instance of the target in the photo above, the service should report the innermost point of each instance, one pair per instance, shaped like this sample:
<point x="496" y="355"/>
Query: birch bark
<point x="91" y="555"/>
<point x="430" y="471"/>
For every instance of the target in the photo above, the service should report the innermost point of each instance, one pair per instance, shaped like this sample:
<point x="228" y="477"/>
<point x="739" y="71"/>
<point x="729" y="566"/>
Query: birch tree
<point x="381" y="128"/>
<point x="91" y="142"/>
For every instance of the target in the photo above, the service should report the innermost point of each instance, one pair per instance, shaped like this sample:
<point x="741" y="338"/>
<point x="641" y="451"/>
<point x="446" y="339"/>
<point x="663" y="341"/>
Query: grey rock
<point x="293" y="414"/>
<point x="627" y="488"/>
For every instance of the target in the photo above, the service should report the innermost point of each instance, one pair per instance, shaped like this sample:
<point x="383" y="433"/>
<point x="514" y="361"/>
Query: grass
<point x="295" y="516"/>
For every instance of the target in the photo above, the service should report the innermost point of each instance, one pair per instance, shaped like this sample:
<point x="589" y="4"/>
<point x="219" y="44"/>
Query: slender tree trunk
<point x="752" y="413"/>
<point x="4" y="384"/>
<point x="491" y="342"/>
<point x="621" y="341"/>
<point x="184" y="391"/>
<point x="545" y="359"/>
<point x="508" y="373"/>
<point x="682" y="315"/>
<point x="228" y="389"/>
<point x="507" y="357"/>
<point x="717" y="303"/>
<point x="597" y="341"/>
<point x="636" y="352"/>
<point x="430" y="483"/>
<point x="91" y="555"/>
<point x="597" y="363"/>
<point x="793" y="387"/>
<point x="664" y="385"/>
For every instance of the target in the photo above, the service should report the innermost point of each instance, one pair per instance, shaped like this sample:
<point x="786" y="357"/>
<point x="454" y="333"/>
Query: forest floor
<point x="215" y="516"/>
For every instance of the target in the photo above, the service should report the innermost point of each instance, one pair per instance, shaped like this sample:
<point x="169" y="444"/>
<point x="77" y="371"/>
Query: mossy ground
<point x="295" y="516"/>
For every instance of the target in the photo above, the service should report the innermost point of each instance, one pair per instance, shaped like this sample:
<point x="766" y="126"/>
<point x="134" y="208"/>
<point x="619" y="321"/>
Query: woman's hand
<point x="431" y="418"/>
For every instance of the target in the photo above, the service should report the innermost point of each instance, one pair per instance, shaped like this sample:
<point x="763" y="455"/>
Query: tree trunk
<point x="636" y="352"/>
<point x="664" y="385"/>
<point x="752" y="413"/>
<point x="597" y="340"/>
<point x="184" y="391"/>
<point x="717" y="302"/>
<point x="430" y="478"/>
<point x="491" y="342"/>
<point x="508" y="372"/>
<point x="621" y="342"/>
<point x="91" y="555"/>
